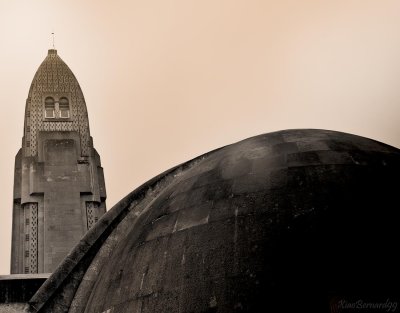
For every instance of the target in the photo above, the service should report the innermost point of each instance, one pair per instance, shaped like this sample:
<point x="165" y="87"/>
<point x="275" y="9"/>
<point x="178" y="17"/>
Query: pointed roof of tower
<point x="54" y="79"/>
<point x="53" y="75"/>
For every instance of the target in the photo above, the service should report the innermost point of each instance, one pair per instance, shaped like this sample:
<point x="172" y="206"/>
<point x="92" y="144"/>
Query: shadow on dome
<point x="291" y="220"/>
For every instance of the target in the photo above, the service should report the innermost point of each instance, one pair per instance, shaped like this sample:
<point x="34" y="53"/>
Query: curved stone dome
<point x="294" y="219"/>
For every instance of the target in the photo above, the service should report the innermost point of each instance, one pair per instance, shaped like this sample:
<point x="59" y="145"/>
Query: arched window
<point x="49" y="108"/>
<point x="63" y="106"/>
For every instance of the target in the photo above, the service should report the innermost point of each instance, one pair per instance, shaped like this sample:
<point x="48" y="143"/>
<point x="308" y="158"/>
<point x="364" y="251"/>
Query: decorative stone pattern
<point x="91" y="213"/>
<point x="30" y="238"/>
<point x="59" y="189"/>
<point x="55" y="79"/>
<point x="33" y="244"/>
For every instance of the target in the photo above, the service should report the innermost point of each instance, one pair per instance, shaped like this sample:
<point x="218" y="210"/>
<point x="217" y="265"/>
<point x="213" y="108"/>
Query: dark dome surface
<point x="291" y="219"/>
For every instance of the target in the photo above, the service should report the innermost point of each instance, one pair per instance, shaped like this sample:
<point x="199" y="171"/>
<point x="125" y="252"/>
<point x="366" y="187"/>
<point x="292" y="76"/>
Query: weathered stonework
<point x="291" y="221"/>
<point x="58" y="173"/>
<point x="17" y="289"/>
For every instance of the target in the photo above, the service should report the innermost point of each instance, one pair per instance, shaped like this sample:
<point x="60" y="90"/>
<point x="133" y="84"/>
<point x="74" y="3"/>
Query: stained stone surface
<point x="13" y="307"/>
<point x="289" y="221"/>
<point x="19" y="288"/>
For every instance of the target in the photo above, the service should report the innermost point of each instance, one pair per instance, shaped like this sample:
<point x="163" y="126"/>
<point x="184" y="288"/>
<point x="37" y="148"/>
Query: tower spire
<point x="52" y="35"/>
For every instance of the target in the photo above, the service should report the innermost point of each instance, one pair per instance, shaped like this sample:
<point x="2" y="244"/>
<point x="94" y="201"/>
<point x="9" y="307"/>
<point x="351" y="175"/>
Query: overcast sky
<point x="167" y="80"/>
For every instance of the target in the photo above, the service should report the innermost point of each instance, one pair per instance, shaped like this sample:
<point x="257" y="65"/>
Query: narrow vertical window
<point x="64" y="107"/>
<point x="49" y="108"/>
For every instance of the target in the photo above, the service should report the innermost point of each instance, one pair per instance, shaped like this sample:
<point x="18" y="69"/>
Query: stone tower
<point x="59" y="190"/>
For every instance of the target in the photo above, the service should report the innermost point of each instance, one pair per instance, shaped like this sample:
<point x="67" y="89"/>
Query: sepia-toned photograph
<point x="187" y="156"/>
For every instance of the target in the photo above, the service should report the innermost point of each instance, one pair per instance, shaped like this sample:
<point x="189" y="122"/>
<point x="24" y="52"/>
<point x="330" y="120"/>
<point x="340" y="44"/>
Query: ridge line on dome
<point x="120" y="209"/>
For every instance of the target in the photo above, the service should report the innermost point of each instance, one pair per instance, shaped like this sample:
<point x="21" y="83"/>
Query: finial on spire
<point x="52" y="34"/>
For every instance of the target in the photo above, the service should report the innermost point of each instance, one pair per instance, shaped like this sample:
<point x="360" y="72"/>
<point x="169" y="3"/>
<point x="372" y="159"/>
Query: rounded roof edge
<point x="99" y="232"/>
<point x="94" y="238"/>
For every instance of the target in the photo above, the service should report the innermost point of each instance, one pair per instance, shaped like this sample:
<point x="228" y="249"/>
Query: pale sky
<point x="167" y="80"/>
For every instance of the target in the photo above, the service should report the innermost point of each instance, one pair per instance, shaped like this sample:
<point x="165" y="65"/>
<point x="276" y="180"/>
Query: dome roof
<point x="287" y="219"/>
<point x="54" y="80"/>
